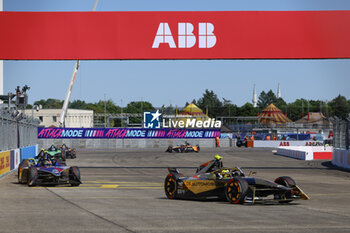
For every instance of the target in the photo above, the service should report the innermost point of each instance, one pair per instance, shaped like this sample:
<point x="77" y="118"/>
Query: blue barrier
<point x="28" y="152"/>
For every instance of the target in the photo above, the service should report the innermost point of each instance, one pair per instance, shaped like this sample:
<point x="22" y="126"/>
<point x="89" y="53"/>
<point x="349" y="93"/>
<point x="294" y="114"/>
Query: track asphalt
<point x="122" y="191"/>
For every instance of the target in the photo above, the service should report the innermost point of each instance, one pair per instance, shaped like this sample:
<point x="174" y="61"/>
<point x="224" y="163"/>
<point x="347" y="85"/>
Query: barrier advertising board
<point x="5" y="162"/>
<point x="85" y="133"/>
<point x="17" y="157"/>
<point x="275" y="144"/>
<point x="174" y="35"/>
<point x="28" y="152"/>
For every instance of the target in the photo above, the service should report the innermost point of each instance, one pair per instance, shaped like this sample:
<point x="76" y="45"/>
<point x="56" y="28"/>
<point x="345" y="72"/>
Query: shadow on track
<point x="220" y="201"/>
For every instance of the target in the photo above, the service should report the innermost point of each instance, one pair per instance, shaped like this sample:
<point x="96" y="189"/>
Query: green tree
<point x="50" y="103"/>
<point x="78" y="104"/>
<point x="266" y="99"/>
<point x="211" y="101"/>
<point x="281" y="104"/>
<point x="340" y="107"/>
<point x="247" y="110"/>
<point x="294" y="110"/>
<point x="229" y="109"/>
<point x="138" y="107"/>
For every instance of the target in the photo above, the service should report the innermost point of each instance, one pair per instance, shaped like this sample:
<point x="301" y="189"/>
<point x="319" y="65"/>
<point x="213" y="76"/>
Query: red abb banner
<point x="175" y="35"/>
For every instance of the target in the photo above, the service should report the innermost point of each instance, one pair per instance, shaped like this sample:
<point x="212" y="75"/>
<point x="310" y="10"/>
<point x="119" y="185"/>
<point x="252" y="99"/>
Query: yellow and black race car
<point x="184" y="148"/>
<point x="212" y="180"/>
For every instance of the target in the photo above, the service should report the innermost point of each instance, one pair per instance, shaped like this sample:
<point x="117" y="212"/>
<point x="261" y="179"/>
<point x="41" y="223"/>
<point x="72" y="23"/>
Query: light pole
<point x="121" y="111"/>
<point x="37" y="108"/>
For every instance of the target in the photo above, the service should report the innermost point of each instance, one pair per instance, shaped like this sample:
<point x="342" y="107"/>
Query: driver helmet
<point x="217" y="157"/>
<point x="42" y="151"/>
<point x="225" y="173"/>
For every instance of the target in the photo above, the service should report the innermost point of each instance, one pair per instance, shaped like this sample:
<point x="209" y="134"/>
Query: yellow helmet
<point x="42" y="149"/>
<point x="226" y="173"/>
<point x="217" y="157"/>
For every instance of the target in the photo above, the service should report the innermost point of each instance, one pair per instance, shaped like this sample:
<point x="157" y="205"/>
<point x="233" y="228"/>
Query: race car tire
<point x="239" y="143"/>
<point x="289" y="183"/>
<point x="170" y="149"/>
<point x="198" y="149"/>
<point x="19" y="170"/>
<point x="170" y="185"/>
<point x="74" y="176"/>
<point x="236" y="189"/>
<point x="32" y="176"/>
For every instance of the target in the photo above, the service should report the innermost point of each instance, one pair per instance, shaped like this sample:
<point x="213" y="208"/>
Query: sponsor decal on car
<point x="197" y="186"/>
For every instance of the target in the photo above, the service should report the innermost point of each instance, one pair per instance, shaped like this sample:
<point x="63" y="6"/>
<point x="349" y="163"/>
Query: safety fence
<point x="9" y="160"/>
<point x="341" y="133"/>
<point x="341" y="154"/>
<point x="17" y="129"/>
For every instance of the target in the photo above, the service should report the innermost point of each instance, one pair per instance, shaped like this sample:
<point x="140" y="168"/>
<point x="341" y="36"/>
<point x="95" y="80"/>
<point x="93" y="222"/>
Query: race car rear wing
<point x="173" y="170"/>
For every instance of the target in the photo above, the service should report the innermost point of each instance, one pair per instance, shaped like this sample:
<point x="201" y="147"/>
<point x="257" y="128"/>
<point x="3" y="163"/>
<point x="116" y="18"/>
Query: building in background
<point x="279" y="95"/>
<point x="75" y="118"/>
<point x="255" y="99"/>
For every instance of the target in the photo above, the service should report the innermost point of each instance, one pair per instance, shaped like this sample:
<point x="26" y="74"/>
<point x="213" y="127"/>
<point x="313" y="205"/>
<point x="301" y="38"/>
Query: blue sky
<point x="175" y="82"/>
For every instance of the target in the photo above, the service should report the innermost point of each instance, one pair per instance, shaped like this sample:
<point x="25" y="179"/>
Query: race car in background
<point x="214" y="181"/>
<point x="47" y="172"/>
<point x="184" y="148"/>
<point x="57" y="154"/>
<point x="68" y="152"/>
<point x="241" y="142"/>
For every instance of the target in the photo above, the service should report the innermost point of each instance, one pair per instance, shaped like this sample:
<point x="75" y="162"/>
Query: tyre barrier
<point x="307" y="152"/>
<point x="9" y="160"/>
<point x="341" y="158"/>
